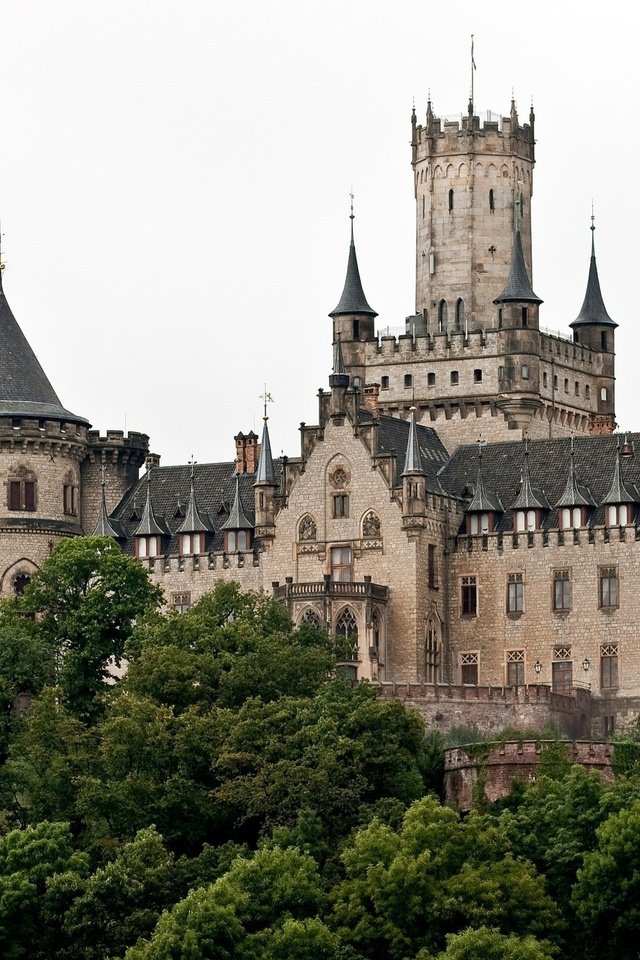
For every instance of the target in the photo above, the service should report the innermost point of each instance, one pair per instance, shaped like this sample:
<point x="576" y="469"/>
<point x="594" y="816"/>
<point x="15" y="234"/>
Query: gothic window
<point x="459" y="314"/>
<point x="608" y="587"/>
<point x="22" y="490"/>
<point x="371" y="525"/>
<point x="21" y="583"/>
<point x="469" y="663"/>
<point x="609" y="665"/>
<point x="515" y="593"/>
<point x="347" y="630"/>
<point x="515" y="668"/>
<point x="562" y="590"/>
<point x="491" y="201"/>
<point x="340" y="505"/>
<point x="442" y="317"/>
<point x="431" y="655"/>
<point x="469" y="597"/>
<point x="450" y="201"/>
<point x="342" y="564"/>
<point x="70" y="494"/>
<point x="307" y="528"/>
<point x="311" y="618"/>
<point x="180" y="602"/>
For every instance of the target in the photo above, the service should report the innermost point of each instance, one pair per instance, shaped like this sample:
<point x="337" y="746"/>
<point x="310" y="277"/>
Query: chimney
<point x="371" y="393"/>
<point x="152" y="460"/>
<point x="247" y="452"/>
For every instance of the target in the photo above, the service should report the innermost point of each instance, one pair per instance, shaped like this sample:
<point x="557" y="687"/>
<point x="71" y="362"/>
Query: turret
<point x="265" y="488"/>
<point x="576" y="504"/>
<point x="594" y="328"/>
<point x="485" y="506"/>
<point x="414" y="496"/>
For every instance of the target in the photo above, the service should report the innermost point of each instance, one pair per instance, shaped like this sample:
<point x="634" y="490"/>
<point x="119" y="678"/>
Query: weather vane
<point x="266" y="398"/>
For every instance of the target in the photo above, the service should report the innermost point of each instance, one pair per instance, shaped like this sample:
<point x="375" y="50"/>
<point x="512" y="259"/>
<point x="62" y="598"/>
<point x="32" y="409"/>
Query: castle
<point x="451" y="567"/>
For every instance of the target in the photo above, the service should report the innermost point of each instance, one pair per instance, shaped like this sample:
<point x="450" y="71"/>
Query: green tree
<point x="88" y="597"/>
<point x="485" y="943"/>
<point x="26" y="664"/>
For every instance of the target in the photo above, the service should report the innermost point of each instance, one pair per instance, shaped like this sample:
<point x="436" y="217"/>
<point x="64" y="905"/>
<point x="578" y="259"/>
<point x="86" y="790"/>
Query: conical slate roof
<point x="518" y="287"/>
<point x="413" y="458"/>
<point x="353" y="299"/>
<point x="237" y="519"/>
<point x="265" y="475"/>
<point x="149" y="525"/>
<point x="575" y="494"/>
<point x="483" y="501"/>
<point x="593" y="309"/>
<point x="106" y="527"/>
<point x="193" y="521"/>
<point x="619" y="491"/>
<point x="529" y="498"/>
<point x="25" y="390"/>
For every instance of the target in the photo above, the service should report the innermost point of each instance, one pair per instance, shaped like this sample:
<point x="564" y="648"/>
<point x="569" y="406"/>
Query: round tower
<point x="42" y="446"/>
<point x="467" y="175"/>
<point x="116" y="459"/>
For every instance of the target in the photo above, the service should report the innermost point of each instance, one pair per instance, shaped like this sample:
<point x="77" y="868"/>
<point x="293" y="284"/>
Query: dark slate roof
<point x="518" y="287"/>
<point x="529" y="497"/>
<point x="593" y="309"/>
<point x="25" y="390"/>
<point x="237" y="519"/>
<point x="484" y="501"/>
<point x="619" y="491"/>
<point x="575" y="494"/>
<point x="353" y="299"/>
<point x="214" y="490"/>
<point x="104" y="526"/>
<point x="393" y="435"/>
<point x="413" y="460"/>
<point x="265" y="474"/>
<point x="193" y="521"/>
<point x="149" y="524"/>
<point x="549" y="466"/>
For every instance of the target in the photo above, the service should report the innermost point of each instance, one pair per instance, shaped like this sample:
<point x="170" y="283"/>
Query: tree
<point x="26" y="664"/>
<point x="490" y="944"/>
<point x="88" y="597"/>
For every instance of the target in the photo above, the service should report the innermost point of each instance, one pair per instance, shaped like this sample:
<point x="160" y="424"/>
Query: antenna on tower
<point x="473" y="69"/>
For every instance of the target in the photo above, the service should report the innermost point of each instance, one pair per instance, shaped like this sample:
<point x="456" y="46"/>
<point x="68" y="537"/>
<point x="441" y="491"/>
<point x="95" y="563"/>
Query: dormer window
<point x="526" y="520"/>
<point x="478" y="523"/>
<point x="147" y="546"/>
<point x="192" y="543"/>
<point x="571" y="518"/>
<point x="619" y="514"/>
<point x="237" y="541"/>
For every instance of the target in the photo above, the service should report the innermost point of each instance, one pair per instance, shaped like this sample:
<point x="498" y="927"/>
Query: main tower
<point x="468" y="176"/>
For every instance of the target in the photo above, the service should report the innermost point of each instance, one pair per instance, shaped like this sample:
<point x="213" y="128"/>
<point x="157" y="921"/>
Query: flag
<point x="473" y="63"/>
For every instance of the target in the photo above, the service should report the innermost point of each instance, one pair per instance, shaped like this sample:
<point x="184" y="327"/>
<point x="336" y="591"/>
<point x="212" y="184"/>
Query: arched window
<point x="311" y="618"/>
<point x="21" y="583"/>
<point x="347" y="631"/>
<point x="450" y="201"/>
<point x="431" y="655"/>
<point x="491" y="201"/>
<point x="192" y="543"/>
<point x="459" y="313"/>
<point x="442" y="317"/>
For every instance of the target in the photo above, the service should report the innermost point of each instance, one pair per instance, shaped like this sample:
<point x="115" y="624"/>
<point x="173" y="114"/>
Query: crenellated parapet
<point x="116" y="457"/>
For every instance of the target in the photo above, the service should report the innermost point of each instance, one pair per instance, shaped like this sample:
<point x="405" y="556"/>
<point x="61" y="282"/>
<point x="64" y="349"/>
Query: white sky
<point x="174" y="180"/>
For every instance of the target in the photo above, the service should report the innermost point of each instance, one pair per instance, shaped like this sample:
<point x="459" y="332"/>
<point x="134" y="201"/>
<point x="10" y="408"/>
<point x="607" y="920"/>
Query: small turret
<point x="413" y="474"/>
<point x="484" y="507"/>
<point x="621" y="500"/>
<point x="265" y="488"/>
<point x="576" y="502"/>
<point x="353" y="318"/>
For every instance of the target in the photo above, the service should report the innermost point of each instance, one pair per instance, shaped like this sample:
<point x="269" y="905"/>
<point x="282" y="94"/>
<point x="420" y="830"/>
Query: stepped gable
<point x="549" y="466"/>
<point x="25" y="390"/>
<point x="393" y="435"/>
<point x="214" y="486"/>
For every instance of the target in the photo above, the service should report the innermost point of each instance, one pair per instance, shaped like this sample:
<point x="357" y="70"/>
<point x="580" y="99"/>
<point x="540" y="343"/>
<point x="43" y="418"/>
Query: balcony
<point x="330" y="589"/>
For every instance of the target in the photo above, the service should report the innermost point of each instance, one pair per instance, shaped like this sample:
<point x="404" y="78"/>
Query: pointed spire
<point x="104" y="526"/>
<point x="237" y="519"/>
<point x="528" y="498"/>
<point x="483" y="501"/>
<point x="193" y="521"/>
<point x="339" y="377"/>
<point x="593" y="309"/>
<point x="619" y="491"/>
<point x="149" y="526"/>
<point x="353" y="299"/>
<point x="24" y="387"/>
<point x="575" y="494"/>
<point x="413" y="458"/>
<point x="518" y="287"/>
<point x="265" y="475"/>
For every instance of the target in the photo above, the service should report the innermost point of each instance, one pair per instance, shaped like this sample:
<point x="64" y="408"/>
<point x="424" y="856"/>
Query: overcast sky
<point x="174" y="180"/>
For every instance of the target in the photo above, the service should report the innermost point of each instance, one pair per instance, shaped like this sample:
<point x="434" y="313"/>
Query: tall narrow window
<point x="608" y="587"/>
<point x="515" y="593"/>
<point x="432" y="566"/>
<point x="431" y="379"/>
<point x="340" y="505"/>
<point x="562" y="590"/>
<point x="609" y="665"/>
<point x="384" y="383"/>
<point x="491" y="201"/>
<point x="442" y="317"/>
<point x="603" y="340"/>
<point x="431" y="655"/>
<point x="341" y="564"/>
<point x="469" y="668"/>
<point x="450" y="201"/>
<point x="562" y="669"/>
<point x="408" y="380"/>
<point x="347" y="628"/>
<point x="525" y="316"/>
<point x="22" y="492"/>
<point x="515" y="668"/>
<point x="469" y="597"/>
<point x="460" y="314"/>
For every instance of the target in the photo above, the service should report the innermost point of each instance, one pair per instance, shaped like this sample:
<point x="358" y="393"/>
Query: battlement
<point x="116" y="438"/>
<point x="538" y="693"/>
<point x="494" y="134"/>
<point x="493" y="767"/>
<point x="530" y="539"/>
<point x="26" y="428"/>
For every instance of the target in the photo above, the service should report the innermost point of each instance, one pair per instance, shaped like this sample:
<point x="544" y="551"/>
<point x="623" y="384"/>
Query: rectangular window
<point x="469" y="605"/>
<point x="515" y="593"/>
<point x="70" y="498"/>
<point x="609" y="665"/>
<point x="15" y="499"/>
<point x="608" y="587"/>
<point x="341" y="505"/>
<point x="432" y="566"/>
<point x="562" y="669"/>
<point x="384" y="383"/>
<point x="454" y="377"/>
<point x="408" y="380"/>
<point x="544" y="379"/>
<point x="469" y="668"/>
<point x="180" y="602"/>
<point x="477" y="376"/>
<point x="341" y="564"/>
<point x="562" y="590"/>
<point x="22" y="494"/>
<point x="515" y="668"/>
<point x="431" y="379"/>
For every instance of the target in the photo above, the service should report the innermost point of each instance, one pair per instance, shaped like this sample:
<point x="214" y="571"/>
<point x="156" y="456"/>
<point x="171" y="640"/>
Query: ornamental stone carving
<point x="339" y="479"/>
<point x="307" y="529"/>
<point x="371" y="525"/>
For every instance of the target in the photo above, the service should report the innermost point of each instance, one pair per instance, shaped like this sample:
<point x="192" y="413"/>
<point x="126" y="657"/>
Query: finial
<point x="517" y="213"/>
<point x="593" y="232"/>
<point x="351" y="214"/>
<point x="266" y="398"/>
<point x="192" y="462"/>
